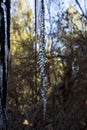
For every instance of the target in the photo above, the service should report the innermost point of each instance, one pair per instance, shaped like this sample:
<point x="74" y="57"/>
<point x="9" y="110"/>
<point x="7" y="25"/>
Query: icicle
<point x="42" y="58"/>
<point x="4" y="63"/>
<point x="0" y="20"/>
<point x="1" y="83"/>
<point x="36" y="33"/>
<point x="1" y="77"/>
<point x="6" y="41"/>
<point x="1" y="86"/>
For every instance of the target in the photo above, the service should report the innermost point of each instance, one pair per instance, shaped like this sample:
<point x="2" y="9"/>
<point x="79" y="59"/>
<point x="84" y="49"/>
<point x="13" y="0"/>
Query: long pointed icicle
<point x="4" y="50"/>
<point x="42" y="57"/>
<point x="6" y="39"/>
<point x="36" y="33"/>
<point x="1" y="82"/>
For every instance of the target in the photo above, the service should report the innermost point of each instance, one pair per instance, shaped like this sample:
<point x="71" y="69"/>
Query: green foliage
<point x="21" y="81"/>
<point x="66" y="72"/>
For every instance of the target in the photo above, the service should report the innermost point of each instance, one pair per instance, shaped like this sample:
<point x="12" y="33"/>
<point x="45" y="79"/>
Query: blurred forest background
<point x="66" y="68"/>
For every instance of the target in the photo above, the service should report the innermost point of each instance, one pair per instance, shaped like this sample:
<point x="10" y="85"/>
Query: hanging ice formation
<point x="36" y="33"/>
<point x="4" y="57"/>
<point x="42" y="58"/>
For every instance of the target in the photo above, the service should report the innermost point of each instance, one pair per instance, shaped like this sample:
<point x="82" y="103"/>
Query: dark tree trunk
<point x="4" y="59"/>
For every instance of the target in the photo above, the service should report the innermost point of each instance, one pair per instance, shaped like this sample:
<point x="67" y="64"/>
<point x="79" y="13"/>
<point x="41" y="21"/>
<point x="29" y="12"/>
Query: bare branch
<point x="79" y="5"/>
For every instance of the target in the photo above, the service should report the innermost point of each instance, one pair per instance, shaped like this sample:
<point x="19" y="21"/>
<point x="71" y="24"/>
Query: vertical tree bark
<point x="4" y="59"/>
